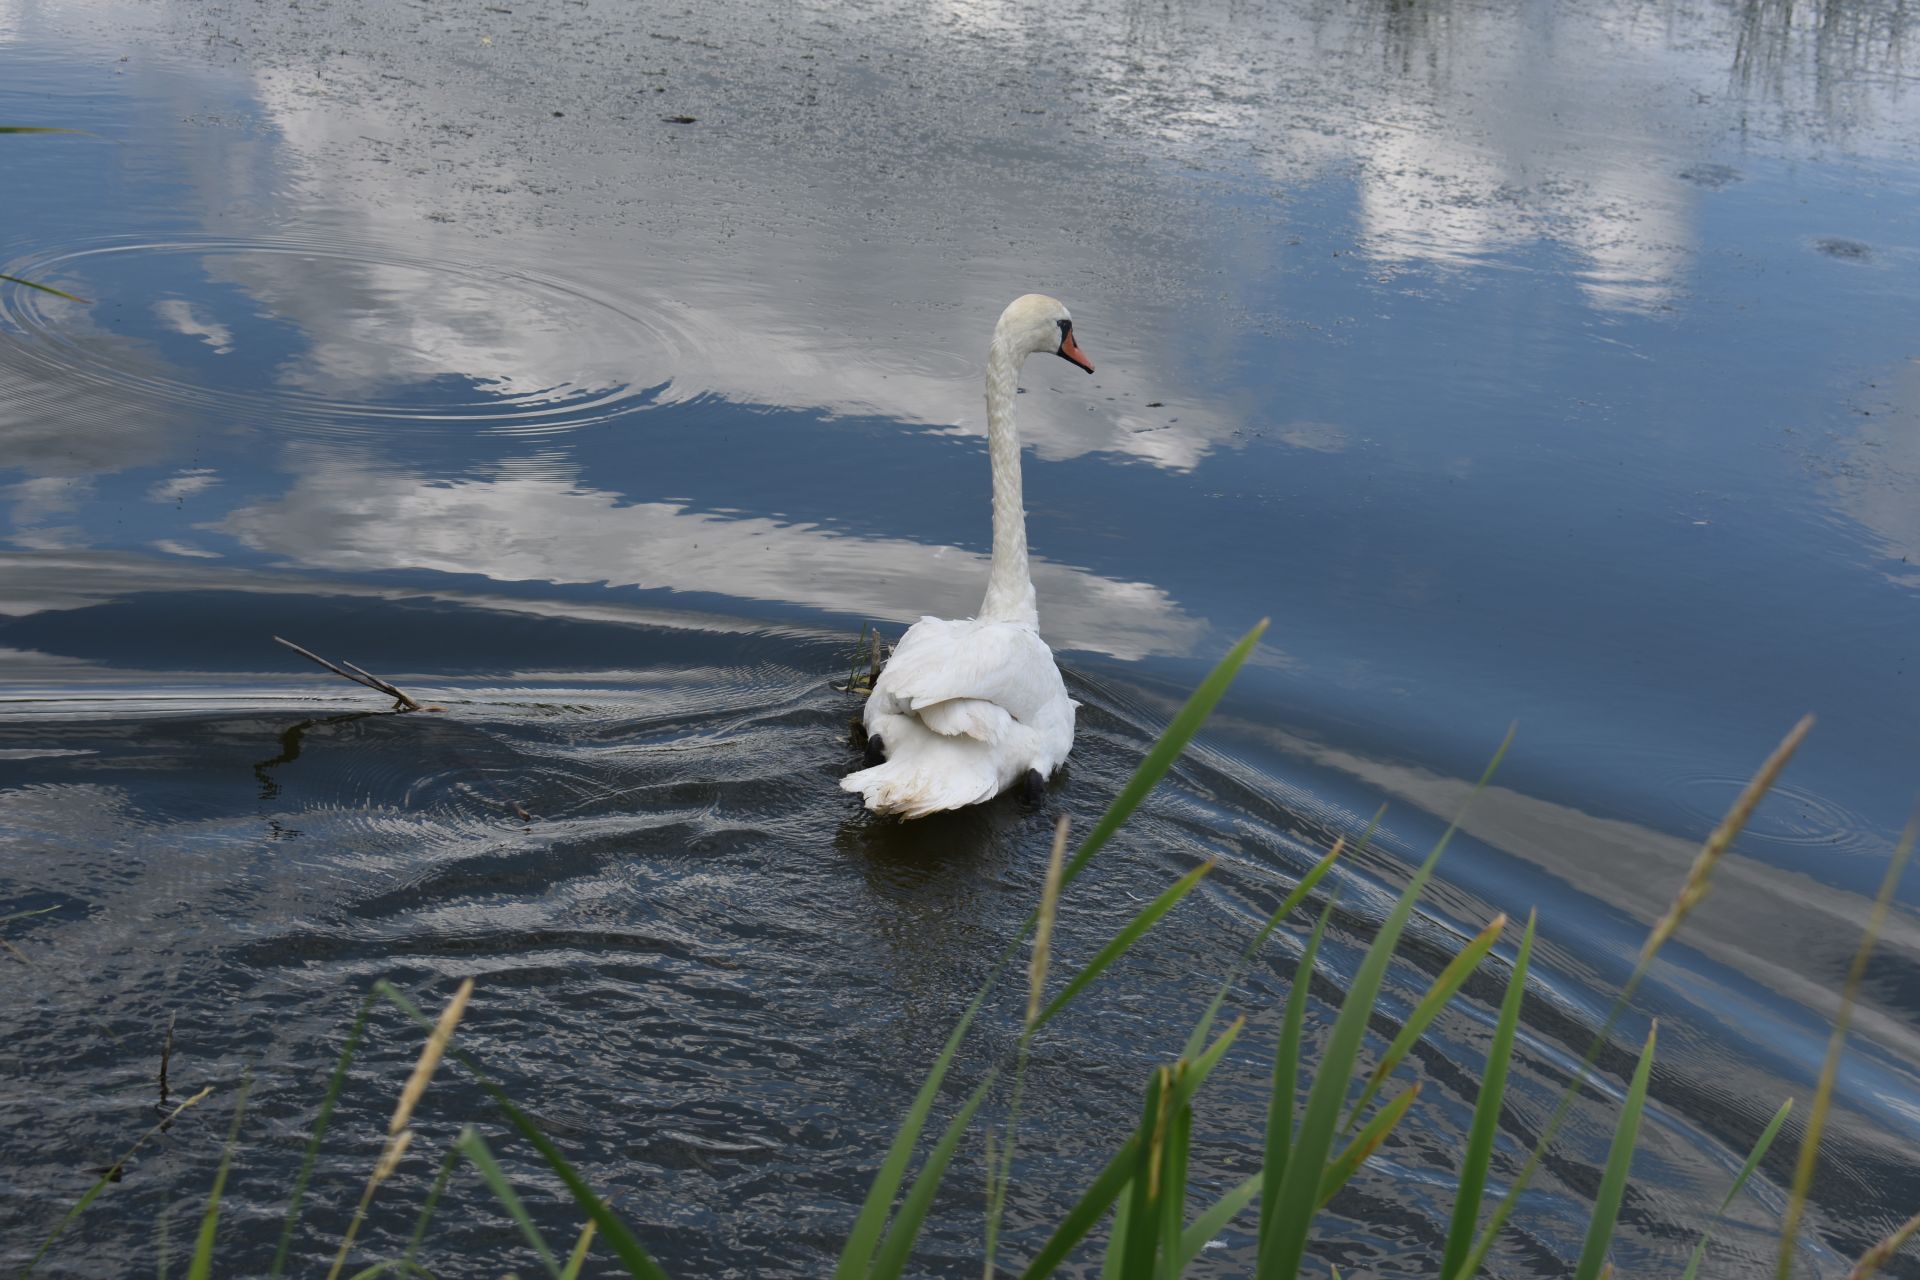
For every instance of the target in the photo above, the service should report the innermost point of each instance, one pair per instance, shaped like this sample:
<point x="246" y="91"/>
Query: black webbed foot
<point x="1033" y="787"/>
<point x="876" y="750"/>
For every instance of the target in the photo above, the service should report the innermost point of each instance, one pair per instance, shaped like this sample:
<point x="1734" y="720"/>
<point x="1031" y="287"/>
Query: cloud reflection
<point x="516" y="527"/>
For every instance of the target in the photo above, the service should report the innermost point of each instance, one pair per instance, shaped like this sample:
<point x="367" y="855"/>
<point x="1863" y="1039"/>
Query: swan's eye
<point x="1066" y="330"/>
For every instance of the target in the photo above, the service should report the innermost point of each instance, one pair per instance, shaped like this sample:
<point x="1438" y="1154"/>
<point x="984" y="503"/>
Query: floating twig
<point x="401" y="701"/>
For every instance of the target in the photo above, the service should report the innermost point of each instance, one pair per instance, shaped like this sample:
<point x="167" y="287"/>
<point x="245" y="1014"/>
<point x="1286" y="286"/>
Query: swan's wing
<point x="969" y="717"/>
<point x="999" y="663"/>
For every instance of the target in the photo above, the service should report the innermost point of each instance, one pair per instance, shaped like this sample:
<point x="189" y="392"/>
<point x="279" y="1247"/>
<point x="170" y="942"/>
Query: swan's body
<point x="965" y="709"/>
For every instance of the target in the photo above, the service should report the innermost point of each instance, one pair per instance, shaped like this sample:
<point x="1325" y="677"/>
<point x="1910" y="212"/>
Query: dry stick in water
<point x="401" y="701"/>
<point x="166" y="1056"/>
<point x="399" y="1136"/>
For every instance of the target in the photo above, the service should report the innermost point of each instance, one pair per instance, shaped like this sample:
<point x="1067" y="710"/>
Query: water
<point x="1521" y="361"/>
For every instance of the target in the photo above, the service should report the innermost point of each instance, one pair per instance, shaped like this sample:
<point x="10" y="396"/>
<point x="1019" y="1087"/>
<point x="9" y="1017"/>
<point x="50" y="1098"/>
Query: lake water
<point x="1549" y="363"/>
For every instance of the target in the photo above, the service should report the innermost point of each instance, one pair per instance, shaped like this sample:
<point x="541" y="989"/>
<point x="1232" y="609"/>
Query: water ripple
<point x="340" y="339"/>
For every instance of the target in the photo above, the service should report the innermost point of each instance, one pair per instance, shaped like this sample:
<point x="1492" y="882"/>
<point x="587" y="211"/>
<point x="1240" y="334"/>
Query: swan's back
<point x="963" y="710"/>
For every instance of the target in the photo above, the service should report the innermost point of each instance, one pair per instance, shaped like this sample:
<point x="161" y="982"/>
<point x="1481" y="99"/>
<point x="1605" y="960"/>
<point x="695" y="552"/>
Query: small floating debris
<point x="1711" y="176"/>
<point x="1844" y="249"/>
<point x="680" y="119"/>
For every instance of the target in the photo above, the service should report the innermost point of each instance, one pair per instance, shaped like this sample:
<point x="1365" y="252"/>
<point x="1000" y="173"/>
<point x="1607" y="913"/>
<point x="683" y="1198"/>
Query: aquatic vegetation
<point x="1314" y="1145"/>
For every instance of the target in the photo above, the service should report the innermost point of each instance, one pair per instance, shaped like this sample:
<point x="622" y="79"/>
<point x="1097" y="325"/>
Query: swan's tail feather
<point x="913" y="786"/>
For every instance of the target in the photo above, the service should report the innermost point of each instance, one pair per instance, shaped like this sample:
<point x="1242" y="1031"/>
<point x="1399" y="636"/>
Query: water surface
<point x="1522" y="362"/>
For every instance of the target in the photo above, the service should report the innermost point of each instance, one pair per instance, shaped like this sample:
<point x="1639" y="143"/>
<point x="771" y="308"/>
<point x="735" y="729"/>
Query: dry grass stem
<point x="1830" y="1070"/>
<point x="430" y="1057"/>
<point x="396" y="1147"/>
<point x="1043" y="927"/>
<point x="1878" y="1256"/>
<point x="1700" y="876"/>
<point x="1161" y="1120"/>
<point x="399" y="1137"/>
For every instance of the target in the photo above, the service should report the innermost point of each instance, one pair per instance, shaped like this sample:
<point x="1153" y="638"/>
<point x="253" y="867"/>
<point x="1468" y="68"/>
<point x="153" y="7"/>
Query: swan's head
<point x="1036" y="323"/>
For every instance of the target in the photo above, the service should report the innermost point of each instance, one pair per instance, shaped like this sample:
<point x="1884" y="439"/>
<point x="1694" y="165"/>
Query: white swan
<point x="964" y="709"/>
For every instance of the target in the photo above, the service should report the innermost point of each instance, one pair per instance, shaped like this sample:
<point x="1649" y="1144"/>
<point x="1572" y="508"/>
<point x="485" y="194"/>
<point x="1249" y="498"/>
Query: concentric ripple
<point x="331" y="338"/>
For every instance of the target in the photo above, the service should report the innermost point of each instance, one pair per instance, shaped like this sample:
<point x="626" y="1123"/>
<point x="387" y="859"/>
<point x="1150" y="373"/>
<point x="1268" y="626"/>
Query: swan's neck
<point x="1009" y="588"/>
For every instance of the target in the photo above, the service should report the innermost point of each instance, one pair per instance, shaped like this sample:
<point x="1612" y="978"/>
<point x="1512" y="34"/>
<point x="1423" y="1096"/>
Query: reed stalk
<point x="399" y="1135"/>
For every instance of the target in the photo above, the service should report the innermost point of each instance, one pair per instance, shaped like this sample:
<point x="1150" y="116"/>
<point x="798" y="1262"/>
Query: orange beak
<point x="1070" y="350"/>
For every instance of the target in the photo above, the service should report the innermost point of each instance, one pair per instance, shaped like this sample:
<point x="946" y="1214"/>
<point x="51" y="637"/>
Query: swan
<point x="966" y="708"/>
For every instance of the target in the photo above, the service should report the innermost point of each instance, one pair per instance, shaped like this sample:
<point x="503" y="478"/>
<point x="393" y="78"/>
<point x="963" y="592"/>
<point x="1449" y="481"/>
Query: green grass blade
<point x="1163" y="753"/>
<point x="447" y="1163"/>
<point x="1444" y="987"/>
<point x="1116" y="1239"/>
<point x="1143" y="1205"/>
<point x="1282" y="1099"/>
<point x="1613" y="1182"/>
<point x="1486" y="1113"/>
<point x="1829" y="1069"/>
<point x="320" y="1123"/>
<point x="1087" y="1211"/>
<point x="638" y="1262"/>
<point x="891" y="1259"/>
<point x="1343" y="1166"/>
<point x="1122" y="1168"/>
<point x="1754" y="1157"/>
<point x="1198" y="1069"/>
<point x="474" y="1147"/>
<point x="1339" y="1173"/>
<point x="202" y="1265"/>
<point x="857" y="1255"/>
<point x="1692" y="891"/>
<point x="578" y="1258"/>
<point x="93" y="1192"/>
<point x="1201" y="1029"/>
<point x="45" y="288"/>
<point x="1286" y="1243"/>
<point x="1173" y="1188"/>
<point x="1118" y="945"/>
<point x="37" y="128"/>
<point x="1215" y="1219"/>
